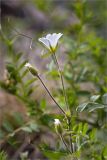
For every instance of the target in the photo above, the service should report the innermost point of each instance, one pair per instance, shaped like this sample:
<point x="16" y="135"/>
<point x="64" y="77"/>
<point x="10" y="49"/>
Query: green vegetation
<point x="73" y="119"/>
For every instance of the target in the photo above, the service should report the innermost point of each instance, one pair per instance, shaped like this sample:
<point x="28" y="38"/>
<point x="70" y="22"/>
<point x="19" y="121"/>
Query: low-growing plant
<point x="80" y="98"/>
<point x="75" y="138"/>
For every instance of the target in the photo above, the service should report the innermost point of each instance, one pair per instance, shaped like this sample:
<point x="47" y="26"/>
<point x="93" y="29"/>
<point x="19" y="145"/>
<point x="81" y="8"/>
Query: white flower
<point x="57" y="122"/>
<point x="28" y="65"/>
<point x="51" y="41"/>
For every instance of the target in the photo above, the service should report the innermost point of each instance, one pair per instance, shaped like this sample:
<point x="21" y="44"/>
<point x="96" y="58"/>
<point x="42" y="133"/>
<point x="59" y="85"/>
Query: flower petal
<point x="59" y="35"/>
<point x="45" y="42"/>
<point x="51" y="40"/>
<point x="48" y="36"/>
<point x="54" y="39"/>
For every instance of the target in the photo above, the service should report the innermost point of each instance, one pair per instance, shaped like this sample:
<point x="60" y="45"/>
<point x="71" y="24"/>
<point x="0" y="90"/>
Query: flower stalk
<point x="34" y="72"/>
<point x="51" y="42"/>
<point x="63" y="140"/>
<point x="61" y="77"/>
<point x="70" y="136"/>
<point x="59" y="131"/>
<point x="51" y="95"/>
<point x="66" y="102"/>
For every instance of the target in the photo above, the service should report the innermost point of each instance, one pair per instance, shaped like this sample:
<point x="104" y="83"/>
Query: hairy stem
<point x="62" y="138"/>
<point x="61" y="77"/>
<point x="70" y="136"/>
<point x="66" y="102"/>
<point x="51" y="95"/>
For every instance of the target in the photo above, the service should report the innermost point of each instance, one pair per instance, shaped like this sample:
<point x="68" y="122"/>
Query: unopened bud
<point x="32" y="70"/>
<point x="58" y="126"/>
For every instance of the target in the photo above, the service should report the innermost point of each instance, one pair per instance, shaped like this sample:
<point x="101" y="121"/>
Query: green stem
<point x="73" y="80"/>
<point x="70" y="136"/>
<point x="66" y="102"/>
<point x="51" y="95"/>
<point x="61" y="77"/>
<point x="62" y="138"/>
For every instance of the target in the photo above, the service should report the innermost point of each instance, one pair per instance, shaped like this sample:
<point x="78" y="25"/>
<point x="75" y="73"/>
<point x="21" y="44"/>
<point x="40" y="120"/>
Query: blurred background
<point x="82" y="54"/>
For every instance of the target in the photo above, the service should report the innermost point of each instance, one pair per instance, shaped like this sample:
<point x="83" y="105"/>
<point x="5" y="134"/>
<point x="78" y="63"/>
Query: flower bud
<point x="32" y="70"/>
<point x="58" y="126"/>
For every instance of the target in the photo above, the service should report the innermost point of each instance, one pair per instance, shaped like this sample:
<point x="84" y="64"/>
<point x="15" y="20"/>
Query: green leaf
<point x="105" y="153"/>
<point x="85" y="128"/>
<point x="81" y="75"/>
<point x="34" y="127"/>
<point x="72" y="156"/>
<point x="53" y="155"/>
<point x="29" y="82"/>
<point x="94" y="98"/>
<point x="7" y="126"/>
<point x="22" y="65"/>
<point x="3" y="155"/>
<point x="81" y="107"/>
<point x="24" y="73"/>
<point x="104" y="98"/>
<point x="18" y="56"/>
<point x="43" y="104"/>
<point x="27" y="129"/>
<point x="46" y="118"/>
<point x="92" y="134"/>
<point x="18" y="118"/>
<point x="54" y="73"/>
<point x="89" y="107"/>
<point x="93" y="106"/>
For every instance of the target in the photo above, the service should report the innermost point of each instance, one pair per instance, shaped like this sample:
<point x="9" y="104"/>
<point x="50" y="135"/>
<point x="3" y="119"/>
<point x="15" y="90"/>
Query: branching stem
<point x="66" y="102"/>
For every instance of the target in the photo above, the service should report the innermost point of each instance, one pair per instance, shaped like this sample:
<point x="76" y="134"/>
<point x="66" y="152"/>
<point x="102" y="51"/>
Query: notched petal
<point x="51" y="40"/>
